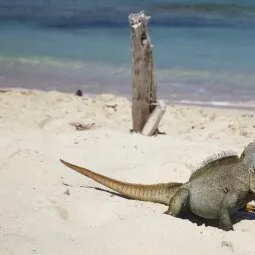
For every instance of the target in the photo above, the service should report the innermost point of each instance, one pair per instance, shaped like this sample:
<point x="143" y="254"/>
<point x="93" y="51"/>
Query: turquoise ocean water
<point x="204" y="51"/>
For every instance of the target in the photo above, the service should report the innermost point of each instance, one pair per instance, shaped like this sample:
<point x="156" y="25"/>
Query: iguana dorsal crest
<point x="219" y="159"/>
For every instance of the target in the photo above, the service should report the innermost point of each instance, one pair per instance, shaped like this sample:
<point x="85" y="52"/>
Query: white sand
<point x="41" y="215"/>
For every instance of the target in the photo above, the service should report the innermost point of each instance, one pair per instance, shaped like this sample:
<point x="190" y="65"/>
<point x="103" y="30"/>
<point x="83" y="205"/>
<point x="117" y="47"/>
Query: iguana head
<point x="248" y="160"/>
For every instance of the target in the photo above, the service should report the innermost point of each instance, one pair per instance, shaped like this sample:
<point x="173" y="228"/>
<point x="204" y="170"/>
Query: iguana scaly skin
<point x="222" y="185"/>
<point x="157" y="193"/>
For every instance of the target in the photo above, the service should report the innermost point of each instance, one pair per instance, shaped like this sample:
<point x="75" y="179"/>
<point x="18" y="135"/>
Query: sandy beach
<point x="47" y="208"/>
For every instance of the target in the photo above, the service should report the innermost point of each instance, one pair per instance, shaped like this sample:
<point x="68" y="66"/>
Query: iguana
<point x="221" y="186"/>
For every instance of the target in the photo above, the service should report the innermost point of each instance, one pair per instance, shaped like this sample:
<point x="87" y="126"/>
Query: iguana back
<point x="217" y="160"/>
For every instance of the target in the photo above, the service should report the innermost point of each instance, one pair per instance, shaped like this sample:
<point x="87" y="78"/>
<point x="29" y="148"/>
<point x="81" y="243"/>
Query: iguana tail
<point x="157" y="193"/>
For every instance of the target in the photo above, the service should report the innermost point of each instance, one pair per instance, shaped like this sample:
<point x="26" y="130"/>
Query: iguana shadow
<point x="239" y="216"/>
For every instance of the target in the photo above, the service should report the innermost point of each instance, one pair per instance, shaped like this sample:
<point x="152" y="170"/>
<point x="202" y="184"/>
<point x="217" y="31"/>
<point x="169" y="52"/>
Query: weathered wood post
<point x="144" y="94"/>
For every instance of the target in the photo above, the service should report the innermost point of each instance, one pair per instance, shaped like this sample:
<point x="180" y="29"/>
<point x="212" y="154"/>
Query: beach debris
<point x="4" y="90"/>
<point x="66" y="184"/>
<point x="67" y="192"/>
<point x="82" y="126"/>
<point x="112" y="106"/>
<point x="79" y="93"/>
<point x="144" y="100"/>
<point x="227" y="244"/>
<point x="151" y="126"/>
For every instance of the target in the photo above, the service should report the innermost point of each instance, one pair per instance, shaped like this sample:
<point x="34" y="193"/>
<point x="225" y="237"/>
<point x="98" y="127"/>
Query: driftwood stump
<point x="144" y="95"/>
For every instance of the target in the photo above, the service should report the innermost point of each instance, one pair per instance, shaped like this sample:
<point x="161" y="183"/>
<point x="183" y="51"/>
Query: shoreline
<point x="213" y="104"/>
<point x="180" y="85"/>
<point x="217" y="105"/>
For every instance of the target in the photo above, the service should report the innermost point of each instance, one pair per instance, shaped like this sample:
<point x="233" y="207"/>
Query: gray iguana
<point x="219" y="188"/>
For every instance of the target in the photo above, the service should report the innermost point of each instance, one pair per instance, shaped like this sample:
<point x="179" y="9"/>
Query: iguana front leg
<point x="225" y="220"/>
<point x="228" y="202"/>
<point x="178" y="201"/>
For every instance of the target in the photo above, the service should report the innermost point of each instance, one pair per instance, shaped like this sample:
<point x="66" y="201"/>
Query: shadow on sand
<point x="239" y="216"/>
